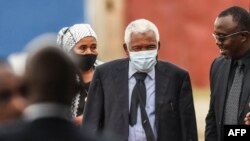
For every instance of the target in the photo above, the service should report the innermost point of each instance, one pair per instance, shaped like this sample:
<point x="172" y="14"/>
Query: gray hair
<point x="140" y="25"/>
<point x="68" y="37"/>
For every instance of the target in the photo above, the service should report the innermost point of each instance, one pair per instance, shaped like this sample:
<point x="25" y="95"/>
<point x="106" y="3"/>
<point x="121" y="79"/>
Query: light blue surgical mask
<point x="143" y="61"/>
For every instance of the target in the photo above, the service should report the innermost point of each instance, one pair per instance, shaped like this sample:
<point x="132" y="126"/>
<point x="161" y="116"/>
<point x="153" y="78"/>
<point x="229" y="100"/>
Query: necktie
<point x="139" y="98"/>
<point x="139" y="89"/>
<point x="232" y="103"/>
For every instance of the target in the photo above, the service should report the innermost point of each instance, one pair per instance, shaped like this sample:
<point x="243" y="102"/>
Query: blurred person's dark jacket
<point x="51" y="85"/>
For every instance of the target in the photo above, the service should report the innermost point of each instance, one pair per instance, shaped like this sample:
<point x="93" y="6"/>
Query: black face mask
<point x="84" y="62"/>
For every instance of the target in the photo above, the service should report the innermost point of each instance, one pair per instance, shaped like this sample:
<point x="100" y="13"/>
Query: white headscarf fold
<point x="68" y="37"/>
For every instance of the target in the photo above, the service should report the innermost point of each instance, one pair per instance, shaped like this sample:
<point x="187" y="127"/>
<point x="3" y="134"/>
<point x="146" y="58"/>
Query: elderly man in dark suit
<point x="229" y="74"/>
<point x="142" y="98"/>
<point x="51" y="81"/>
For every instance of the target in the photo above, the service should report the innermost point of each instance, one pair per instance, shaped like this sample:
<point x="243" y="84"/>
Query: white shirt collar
<point x="46" y="110"/>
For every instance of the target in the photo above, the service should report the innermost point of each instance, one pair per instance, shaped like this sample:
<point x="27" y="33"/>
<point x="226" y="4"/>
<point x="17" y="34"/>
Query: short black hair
<point x="240" y="16"/>
<point x="52" y="75"/>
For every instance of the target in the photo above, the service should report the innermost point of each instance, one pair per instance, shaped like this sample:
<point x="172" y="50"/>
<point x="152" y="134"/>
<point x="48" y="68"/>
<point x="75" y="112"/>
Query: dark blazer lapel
<point x="161" y="84"/>
<point x="120" y="78"/>
<point x="245" y="92"/>
<point x="221" y="92"/>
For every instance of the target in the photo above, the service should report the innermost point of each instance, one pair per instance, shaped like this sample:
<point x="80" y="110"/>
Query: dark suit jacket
<point x="108" y="107"/>
<point x="219" y="75"/>
<point x="44" y="129"/>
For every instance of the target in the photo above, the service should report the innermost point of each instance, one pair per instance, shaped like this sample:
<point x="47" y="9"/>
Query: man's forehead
<point x="225" y="23"/>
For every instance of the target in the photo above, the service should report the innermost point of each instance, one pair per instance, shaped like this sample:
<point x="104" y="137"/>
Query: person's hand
<point x="247" y="118"/>
<point x="78" y="120"/>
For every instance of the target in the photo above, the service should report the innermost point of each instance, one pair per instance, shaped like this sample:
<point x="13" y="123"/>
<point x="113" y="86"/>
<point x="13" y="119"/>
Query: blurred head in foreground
<point x="51" y="77"/>
<point x="12" y="94"/>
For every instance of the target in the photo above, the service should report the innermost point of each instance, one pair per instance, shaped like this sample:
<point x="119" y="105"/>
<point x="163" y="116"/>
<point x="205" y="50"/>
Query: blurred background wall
<point x="22" y="20"/>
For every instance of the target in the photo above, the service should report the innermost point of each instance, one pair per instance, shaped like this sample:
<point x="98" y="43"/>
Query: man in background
<point x="229" y="74"/>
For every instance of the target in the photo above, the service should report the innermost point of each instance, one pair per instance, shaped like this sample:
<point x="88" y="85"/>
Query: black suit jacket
<point x="44" y="129"/>
<point x="219" y="75"/>
<point x="108" y="107"/>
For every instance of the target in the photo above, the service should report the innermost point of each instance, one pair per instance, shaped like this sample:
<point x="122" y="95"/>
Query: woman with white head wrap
<point x="80" y="42"/>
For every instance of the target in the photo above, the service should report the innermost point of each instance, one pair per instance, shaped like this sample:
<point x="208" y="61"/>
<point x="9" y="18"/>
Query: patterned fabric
<point x="232" y="104"/>
<point x="78" y="102"/>
<point x="75" y="105"/>
<point x="68" y="36"/>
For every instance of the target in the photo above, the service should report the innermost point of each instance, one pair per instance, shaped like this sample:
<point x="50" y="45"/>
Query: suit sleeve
<point x="187" y="112"/>
<point x="210" y="130"/>
<point x="94" y="111"/>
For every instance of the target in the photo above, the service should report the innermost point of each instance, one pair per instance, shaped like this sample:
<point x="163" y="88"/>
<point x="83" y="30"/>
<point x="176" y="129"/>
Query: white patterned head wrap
<point x="68" y="36"/>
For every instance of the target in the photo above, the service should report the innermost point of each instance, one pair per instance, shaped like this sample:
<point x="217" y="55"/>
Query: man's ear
<point x="159" y="45"/>
<point x="125" y="49"/>
<point x="245" y="36"/>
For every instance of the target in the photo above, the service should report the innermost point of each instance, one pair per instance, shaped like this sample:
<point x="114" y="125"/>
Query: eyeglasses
<point x="222" y="38"/>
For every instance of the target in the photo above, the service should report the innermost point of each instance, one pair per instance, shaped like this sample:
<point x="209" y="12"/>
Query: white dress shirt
<point x="137" y="133"/>
<point x="46" y="110"/>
